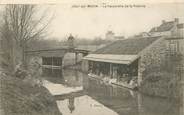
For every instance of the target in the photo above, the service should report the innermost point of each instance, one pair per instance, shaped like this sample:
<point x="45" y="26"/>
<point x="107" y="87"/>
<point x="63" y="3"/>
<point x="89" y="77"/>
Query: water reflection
<point x="52" y="72"/>
<point x="84" y="105"/>
<point x="122" y="101"/>
<point x="100" y="98"/>
<point x="126" y="102"/>
<point x="71" y="105"/>
<point x="70" y="78"/>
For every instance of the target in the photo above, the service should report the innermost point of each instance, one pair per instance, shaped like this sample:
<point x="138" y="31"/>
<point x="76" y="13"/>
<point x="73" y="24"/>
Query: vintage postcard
<point x="93" y="57"/>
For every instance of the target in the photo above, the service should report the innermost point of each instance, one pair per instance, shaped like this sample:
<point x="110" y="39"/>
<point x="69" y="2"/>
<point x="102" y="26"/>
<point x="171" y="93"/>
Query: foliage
<point x="20" y="97"/>
<point x="164" y="79"/>
<point x="44" y="44"/>
<point x="20" y="25"/>
<point x="162" y="84"/>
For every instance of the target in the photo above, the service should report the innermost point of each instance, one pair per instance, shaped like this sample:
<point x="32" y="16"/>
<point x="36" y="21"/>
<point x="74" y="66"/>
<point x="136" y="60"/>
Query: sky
<point x="90" y="23"/>
<point x="95" y="22"/>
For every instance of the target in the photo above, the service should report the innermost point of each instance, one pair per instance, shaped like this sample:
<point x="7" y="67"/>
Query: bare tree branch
<point x="23" y="24"/>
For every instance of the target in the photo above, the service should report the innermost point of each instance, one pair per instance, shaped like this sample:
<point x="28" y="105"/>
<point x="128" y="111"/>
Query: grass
<point x="21" y="97"/>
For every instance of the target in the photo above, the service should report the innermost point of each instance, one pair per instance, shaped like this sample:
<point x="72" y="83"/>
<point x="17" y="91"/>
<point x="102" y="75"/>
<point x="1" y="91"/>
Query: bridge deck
<point x="59" y="49"/>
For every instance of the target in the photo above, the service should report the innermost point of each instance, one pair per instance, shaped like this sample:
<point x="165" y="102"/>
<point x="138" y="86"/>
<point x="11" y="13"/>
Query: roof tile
<point x="163" y="27"/>
<point x="131" y="46"/>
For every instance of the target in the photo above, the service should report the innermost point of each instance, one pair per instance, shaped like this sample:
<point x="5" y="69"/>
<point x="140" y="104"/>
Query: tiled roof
<point x="163" y="27"/>
<point x="131" y="46"/>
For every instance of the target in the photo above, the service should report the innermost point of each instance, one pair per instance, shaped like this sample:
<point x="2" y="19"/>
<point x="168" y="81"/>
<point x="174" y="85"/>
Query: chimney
<point x="163" y="21"/>
<point x="176" y="20"/>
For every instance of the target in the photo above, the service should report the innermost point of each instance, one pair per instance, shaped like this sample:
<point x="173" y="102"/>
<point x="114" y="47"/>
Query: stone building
<point x="129" y="59"/>
<point x="110" y="35"/>
<point x="143" y="34"/>
<point x="169" y="28"/>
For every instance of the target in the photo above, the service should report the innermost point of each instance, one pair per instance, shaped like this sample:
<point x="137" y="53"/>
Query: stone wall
<point x="151" y="57"/>
<point x="181" y="46"/>
<point x="180" y="32"/>
<point x="85" y="64"/>
<point x="158" y="78"/>
<point x="69" y="59"/>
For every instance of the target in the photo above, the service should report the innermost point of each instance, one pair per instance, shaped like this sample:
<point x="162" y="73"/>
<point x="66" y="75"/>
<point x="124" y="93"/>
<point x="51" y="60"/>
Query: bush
<point x="22" y="98"/>
<point x="162" y="84"/>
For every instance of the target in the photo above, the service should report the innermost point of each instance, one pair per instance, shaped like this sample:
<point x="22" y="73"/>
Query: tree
<point x="23" y="24"/>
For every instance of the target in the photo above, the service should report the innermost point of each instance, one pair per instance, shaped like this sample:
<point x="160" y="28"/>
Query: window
<point x="173" y="46"/>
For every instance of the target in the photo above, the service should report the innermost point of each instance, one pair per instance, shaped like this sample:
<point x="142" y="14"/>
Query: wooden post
<point x="52" y="64"/>
<point x="61" y="62"/>
<point x="111" y="72"/>
<point x="139" y="103"/>
<point x="43" y="61"/>
<point x="76" y="57"/>
<point x="140" y="70"/>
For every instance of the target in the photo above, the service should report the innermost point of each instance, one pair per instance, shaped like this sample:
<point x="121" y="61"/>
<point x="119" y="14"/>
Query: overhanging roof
<point x="110" y="58"/>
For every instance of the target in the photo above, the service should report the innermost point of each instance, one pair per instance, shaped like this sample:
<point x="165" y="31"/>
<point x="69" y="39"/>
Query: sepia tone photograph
<point x="92" y="58"/>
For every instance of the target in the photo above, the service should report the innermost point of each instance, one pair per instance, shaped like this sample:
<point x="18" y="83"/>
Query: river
<point x="78" y="94"/>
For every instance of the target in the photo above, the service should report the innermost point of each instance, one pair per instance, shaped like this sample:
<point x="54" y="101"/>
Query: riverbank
<point x="22" y="97"/>
<point x="163" y="84"/>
